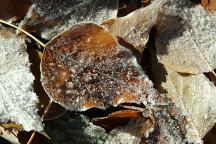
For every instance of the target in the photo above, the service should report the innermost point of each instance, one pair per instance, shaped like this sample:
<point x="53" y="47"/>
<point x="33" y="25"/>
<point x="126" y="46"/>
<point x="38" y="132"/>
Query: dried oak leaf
<point x="136" y="26"/>
<point x="15" y="9"/>
<point x="85" y="67"/>
<point x="50" y="18"/>
<point x="18" y="102"/>
<point x="185" y="39"/>
<point x="194" y="95"/>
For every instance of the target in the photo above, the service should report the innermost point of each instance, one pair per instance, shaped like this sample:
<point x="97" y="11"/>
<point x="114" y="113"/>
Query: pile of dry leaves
<point x="113" y="72"/>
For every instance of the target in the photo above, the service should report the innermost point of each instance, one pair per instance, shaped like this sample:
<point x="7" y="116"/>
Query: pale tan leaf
<point x="186" y="37"/>
<point x="9" y="135"/>
<point x="136" y="26"/>
<point x="132" y="133"/>
<point x="195" y="95"/>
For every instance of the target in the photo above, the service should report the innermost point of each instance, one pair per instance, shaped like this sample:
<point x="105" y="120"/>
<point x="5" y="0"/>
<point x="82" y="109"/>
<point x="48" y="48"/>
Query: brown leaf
<point x="185" y="39"/>
<point x="15" y="9"/>
<point x="9" y="134"/>
<point x="209" y="4"/>
<point x="117" y="119"/>
<point x="55" y="110"/>
<point x="84" y="67"/>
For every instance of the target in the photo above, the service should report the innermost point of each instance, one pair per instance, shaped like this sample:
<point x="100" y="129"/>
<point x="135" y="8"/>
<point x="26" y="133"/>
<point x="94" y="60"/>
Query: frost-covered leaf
<point x="84" y="67"/>
<point x="161" y="126"/>
<point x="18" y="102"/>
<point x="132" y="133"/>
<point x="186" y="37"/>
<point x="136" y="26"/>
<point x="52" y="17"/>
<point x="75" y="129"/>
<point x="194" y="95"/>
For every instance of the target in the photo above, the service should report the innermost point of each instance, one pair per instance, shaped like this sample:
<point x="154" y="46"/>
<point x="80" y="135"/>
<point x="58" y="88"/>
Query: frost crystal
<point x="18" y="102"/>
<point x="58" y="15"/>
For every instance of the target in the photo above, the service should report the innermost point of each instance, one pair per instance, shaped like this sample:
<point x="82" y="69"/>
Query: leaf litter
<point x="171" y="126"/>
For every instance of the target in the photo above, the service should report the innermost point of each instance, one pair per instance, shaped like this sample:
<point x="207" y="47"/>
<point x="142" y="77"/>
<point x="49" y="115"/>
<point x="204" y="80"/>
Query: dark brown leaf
<point x="15" y="9"/>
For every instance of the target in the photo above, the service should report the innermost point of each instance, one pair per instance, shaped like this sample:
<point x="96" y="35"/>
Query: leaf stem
<point x="25" y="32"/>
<point x="47" y="109"/>
<point x="31" y="138"/>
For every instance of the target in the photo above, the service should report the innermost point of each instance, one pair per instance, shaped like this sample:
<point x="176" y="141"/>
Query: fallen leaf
<point x="117" y="119"/>
<point x="194" y="95"/>
<point x="170" y="126"/>
<point x="77" y="129"/>
<point x="11" y="125"/>
<point x="157" y="126"/>
<point x="15" y="9"/>
<point x="18" y="102"/>
<point x="132" y="133"/>
<point x="209" y="4"/>
<point x="9" y="135"/>
<point x="185" y="39"/>
<point x="85" y="67"/>
<point x="136" y="26"/>
<point x="50" y="18"/>
<point x="55" y="110"/>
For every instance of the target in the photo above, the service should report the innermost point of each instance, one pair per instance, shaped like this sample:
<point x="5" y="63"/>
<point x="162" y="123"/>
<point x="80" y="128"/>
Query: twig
<point x="31" y="138"/>
<point x="25" y="32"/>
<point x="47" y="109"/>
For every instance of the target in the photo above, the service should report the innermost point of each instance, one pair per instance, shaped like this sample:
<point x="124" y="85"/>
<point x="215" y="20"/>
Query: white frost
<point x="18" y="102"/>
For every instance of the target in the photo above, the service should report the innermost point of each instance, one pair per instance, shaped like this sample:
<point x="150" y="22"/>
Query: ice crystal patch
<point x="18" y="102"/>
